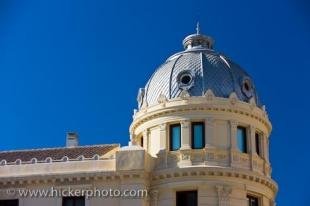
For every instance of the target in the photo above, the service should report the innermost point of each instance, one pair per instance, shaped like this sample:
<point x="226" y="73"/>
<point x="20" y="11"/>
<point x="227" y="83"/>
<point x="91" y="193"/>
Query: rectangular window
<point x="252" y="200"/>
<point x="175" y="137"/>
<point x="73" y="201"/>
<point x="257" y="143"/>
<point x="9" y="202"/>
<point x="242" y="139"/>
<point x="141" y="141"/>
<point x="198" y="137"/>
<point x="187" y="198"/>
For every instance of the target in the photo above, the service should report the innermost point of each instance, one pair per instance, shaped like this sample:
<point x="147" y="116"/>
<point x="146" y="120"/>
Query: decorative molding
<point x="184" y="95"/>
<point x="252" y="103"/>
<point x="33" y="161"/>
<point x="162" y="99"/>
<point x="61" y="179"/>
<point x="154" y="195"/>
<point x="163" y="127"/>
<point x="202" y="172"/>
<point x="223" y="193"/>
<point x="188" y="107"/>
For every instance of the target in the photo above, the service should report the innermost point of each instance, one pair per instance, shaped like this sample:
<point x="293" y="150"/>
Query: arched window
<point x="198" y="139"/>
<point x="175" y="137"/>
<point x="242" y="139"/>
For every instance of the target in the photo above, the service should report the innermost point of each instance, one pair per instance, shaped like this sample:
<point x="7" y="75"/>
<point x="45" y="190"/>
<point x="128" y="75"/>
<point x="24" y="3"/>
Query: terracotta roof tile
<point x="57" y="153"/>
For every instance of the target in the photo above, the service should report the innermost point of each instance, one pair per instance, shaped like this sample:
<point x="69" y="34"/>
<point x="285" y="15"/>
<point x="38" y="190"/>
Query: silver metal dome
<point x="196" y="70"/>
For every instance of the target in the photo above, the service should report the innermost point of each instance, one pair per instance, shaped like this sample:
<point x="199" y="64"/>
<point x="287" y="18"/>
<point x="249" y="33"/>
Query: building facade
<point x="200" y="136"/>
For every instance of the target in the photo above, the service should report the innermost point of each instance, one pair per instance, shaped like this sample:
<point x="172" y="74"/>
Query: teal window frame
<point x="198" y="135"/>
<point x="242" y="139"/>
<point x="175" y="137"/>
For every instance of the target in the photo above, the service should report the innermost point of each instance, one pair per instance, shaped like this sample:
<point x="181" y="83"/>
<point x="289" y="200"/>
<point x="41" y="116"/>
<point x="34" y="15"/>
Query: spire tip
<point x="198" y="28"/>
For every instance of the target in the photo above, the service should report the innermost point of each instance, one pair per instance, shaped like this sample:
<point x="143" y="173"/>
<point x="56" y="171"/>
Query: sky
<point x="73" y="65"/>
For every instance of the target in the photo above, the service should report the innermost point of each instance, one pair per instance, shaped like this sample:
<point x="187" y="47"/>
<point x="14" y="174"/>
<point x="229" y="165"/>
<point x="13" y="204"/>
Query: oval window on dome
<point x="247" y="87"/>
<point x="185" y="80"/>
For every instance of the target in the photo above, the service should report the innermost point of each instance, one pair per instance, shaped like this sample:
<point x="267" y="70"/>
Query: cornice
<point x="161" y="177"/>
<point x="72" y="178"/>
<point x="201" y="104"/>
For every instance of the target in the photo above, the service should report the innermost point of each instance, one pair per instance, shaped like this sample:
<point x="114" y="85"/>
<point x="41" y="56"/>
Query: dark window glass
<point x="141" y="141"/>
<point x="73" y="201"/>
<point x="187" y="198"/>
<point x="198" y="138"/>
<point x="257" y="143"/>
<point x="242" y="139"/>
<point x="252" y="200"/>
<point x="9" y="202"/>
<point x="175" y="137"/>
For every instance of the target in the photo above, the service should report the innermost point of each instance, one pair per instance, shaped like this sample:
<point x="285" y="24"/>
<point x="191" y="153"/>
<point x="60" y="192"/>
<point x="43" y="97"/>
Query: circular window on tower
<point x="185" y="80"/>
<point x="247" y="87"/>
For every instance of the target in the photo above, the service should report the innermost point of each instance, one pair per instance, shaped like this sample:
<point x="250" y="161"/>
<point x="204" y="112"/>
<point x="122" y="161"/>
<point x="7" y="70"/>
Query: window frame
<point x="258" y="143"/>
<point x="245" y="140"/>
<point x="259" y="199"/>
<point x="171" y="126"/>
<point x="193" y="124"/>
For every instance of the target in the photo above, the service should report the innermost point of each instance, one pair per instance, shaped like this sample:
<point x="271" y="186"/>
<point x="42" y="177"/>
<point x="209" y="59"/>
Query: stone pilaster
<point x="252" y="145"/>
<point x="209" y="132"/>
<point x="185" y="135"/>
<point x="233" y="135"/>
<point x="265" y="147"/>
<point x="163" y="136"/>
<point x="154" y="197"/>
<point x="233" y="140"/>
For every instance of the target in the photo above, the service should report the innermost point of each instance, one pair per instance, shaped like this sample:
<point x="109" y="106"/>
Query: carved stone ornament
<point x="252" y="103"/>
<point x="144" y="105"/>
<point x="185" y="156"/>
<point x="233" y="98"/>
<point x="209" y="95"/>
<point x="162" y="99"/>
<point x="223" y="194"/>
<point x="140" y="96"/>
<point x="184" y="94"/>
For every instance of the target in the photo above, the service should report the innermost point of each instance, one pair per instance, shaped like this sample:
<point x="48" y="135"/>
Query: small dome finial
<point x="198" y="27"/>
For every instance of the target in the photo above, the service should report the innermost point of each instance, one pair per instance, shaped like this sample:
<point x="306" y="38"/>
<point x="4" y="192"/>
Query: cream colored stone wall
<point x="219" y="167"/>
<point x="154" y="141"/>
<point x="220" y="173"/>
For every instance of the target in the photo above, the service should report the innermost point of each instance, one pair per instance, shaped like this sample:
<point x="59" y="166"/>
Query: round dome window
<point x="185" y="80"/>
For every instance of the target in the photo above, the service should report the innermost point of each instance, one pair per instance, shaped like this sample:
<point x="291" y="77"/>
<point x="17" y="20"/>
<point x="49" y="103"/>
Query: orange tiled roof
<point x="57" y="153"/>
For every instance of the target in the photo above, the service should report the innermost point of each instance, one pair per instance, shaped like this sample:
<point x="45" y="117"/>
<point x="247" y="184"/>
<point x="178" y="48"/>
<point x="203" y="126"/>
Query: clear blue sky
<point x="69" y="65"/>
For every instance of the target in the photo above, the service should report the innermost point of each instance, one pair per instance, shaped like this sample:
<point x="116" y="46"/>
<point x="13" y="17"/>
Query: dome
<point x="196" y="70"/>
